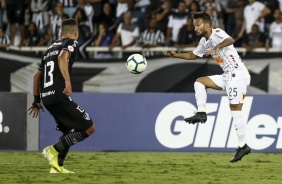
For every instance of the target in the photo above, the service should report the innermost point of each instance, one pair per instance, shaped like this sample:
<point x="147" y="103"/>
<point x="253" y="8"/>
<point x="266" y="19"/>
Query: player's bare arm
<point x="187" y="56"/>
<point x="63" y="65"/>
<point x="224" y="43"/>
<point x="36" y="105"/>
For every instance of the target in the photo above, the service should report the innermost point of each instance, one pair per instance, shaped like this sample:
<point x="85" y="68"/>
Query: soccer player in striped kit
<point x="234" y="80"/>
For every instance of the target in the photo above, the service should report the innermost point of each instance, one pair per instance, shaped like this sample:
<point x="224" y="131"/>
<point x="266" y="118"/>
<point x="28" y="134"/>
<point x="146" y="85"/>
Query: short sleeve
<point x="260" y="5"/>
<point x="119" y="28"/>
<point x="170" y="22"/>
<point x="200" y="50"/>
<point x="220" y="35"/>
<point x="136" y="32"/>
<point x="71" y="46"/>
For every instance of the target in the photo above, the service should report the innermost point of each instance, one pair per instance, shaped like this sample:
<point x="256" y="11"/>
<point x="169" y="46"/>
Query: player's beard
<point x="202" y="34"/>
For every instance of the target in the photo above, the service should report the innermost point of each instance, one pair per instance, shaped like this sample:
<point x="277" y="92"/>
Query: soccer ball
<point x="136" y="63"/>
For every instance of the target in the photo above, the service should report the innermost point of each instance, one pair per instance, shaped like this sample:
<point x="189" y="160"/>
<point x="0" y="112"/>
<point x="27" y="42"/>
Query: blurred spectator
<point x="194" y="7"/>
<point x="40" y="14"/>
<point x="188" y="3"/>
<point x="84" y="31"/>
<point x="138" y="18"/>
<point x="2" y="10"/>
<point x="151" y="37"/>
<point x="176" y="21"/>
<point x="4" y="39"/>
<point x="275" y="33"/>
<point x="255" y="39"/>
<point x="162" y="16"/>
<point x="121" y="7"/>
<point x="215" y="4"/>
<point x="216" y="21"/>
<point x="107" y="16"/>
<point x="47" y="38"/>
<point x="143" y="7"/>
<point x="230" y="10"/>
<point x="89" y="12"/>
<point x="254" y="13"/>
<point x="56" y="22"/>
<point x="69" y="6"/>
<point x="187" y="36"/>
<point x="103" y="39"/>
<point x="239" y="20"/>
<point x="126" y="32"/>
<point x="32" y="38"/>
<point x="15" y="14"/>
<point x="268" y="19"/>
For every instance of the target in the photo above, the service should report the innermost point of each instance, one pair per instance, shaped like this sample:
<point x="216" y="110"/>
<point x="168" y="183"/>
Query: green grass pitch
<point x="142" y="167"/>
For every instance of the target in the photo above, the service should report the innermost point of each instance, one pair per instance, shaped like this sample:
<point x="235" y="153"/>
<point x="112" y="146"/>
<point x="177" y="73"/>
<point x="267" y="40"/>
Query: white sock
<point x="240" y="127"/>
<point x="201" y="96"/>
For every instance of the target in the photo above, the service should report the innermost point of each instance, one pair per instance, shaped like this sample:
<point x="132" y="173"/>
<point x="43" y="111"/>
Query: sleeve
<point x="200" y="50"/>
<point x="220" y="35"/>
<point x="170" y="22"/>
<point x="119" y="28"/>
<point x="71" y="46"/>
<point x="260" y="5"/>
<point x="136" y="32"/>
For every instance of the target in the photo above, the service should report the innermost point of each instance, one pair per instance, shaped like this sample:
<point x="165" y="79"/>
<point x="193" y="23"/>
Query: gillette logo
<point x="173" y="132"/>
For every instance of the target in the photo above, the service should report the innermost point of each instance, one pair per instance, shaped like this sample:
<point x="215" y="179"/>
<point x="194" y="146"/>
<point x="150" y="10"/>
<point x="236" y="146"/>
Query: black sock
<point x="69" y="140"/>
<point x="63" y="154"/>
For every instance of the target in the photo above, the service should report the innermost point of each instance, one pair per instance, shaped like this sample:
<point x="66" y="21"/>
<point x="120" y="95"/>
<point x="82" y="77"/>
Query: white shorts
<point x="236" y="89"/>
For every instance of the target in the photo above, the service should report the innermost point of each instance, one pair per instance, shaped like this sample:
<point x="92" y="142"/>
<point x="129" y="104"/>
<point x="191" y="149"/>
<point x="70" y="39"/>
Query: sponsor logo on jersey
<point x="86" y="116"/>
<point x="70" y="48"/>
<point x="48" y="93"/>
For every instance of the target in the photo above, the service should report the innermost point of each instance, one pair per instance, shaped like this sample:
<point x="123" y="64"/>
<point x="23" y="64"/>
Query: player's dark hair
<point x="202" y="15"/>
<point x="69" y="25"/>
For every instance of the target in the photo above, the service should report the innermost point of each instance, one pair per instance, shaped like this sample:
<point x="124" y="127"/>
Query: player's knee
<point x="201" y="80"/>
<point x="235" y="107"/>
<point x="90" y="130"/>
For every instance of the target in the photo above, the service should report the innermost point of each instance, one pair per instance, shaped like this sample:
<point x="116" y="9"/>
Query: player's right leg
<point x="200" y="86"/>
<point x="77" y="126"/>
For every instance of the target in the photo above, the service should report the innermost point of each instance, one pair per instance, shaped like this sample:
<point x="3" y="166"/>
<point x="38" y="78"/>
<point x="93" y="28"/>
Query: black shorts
<point x="15" y="14"/>
<point x="69" y="116"/>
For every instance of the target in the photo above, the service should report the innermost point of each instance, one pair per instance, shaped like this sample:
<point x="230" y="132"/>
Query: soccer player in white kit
<point x="235" y="78"/>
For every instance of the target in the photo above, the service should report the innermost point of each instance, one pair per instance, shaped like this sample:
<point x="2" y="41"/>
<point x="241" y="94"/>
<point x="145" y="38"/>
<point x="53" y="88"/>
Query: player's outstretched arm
<point x="187" y="56"/>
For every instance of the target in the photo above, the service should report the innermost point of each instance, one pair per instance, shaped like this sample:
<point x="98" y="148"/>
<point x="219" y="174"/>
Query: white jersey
<point x="251" y="14"/>
<point x="227" y="57"/>
<point x="275" y="33"/>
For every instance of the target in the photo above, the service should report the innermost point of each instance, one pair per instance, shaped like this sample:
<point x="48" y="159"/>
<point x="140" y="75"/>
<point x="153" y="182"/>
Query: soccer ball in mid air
<point x="136" y="63"/>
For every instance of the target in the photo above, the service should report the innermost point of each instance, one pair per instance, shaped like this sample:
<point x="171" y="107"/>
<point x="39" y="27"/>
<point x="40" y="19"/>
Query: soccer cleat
<point x="240" y="153"/>
<point x="52" y="155"/>
<point x="63" y="170"/>
<point x="199" y="117"/>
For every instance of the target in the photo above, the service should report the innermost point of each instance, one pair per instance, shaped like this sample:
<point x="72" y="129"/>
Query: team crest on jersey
<point x="70" y="48"/>
<point x="86" y="116"/>
<point x="217" y="30"/>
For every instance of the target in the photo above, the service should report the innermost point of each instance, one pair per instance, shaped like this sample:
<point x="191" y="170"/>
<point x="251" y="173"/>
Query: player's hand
<point x="68" y="89"/>
<point x="170" y="53"/>
<point x="214" y="50"/>
<point x="34" y="109"/>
